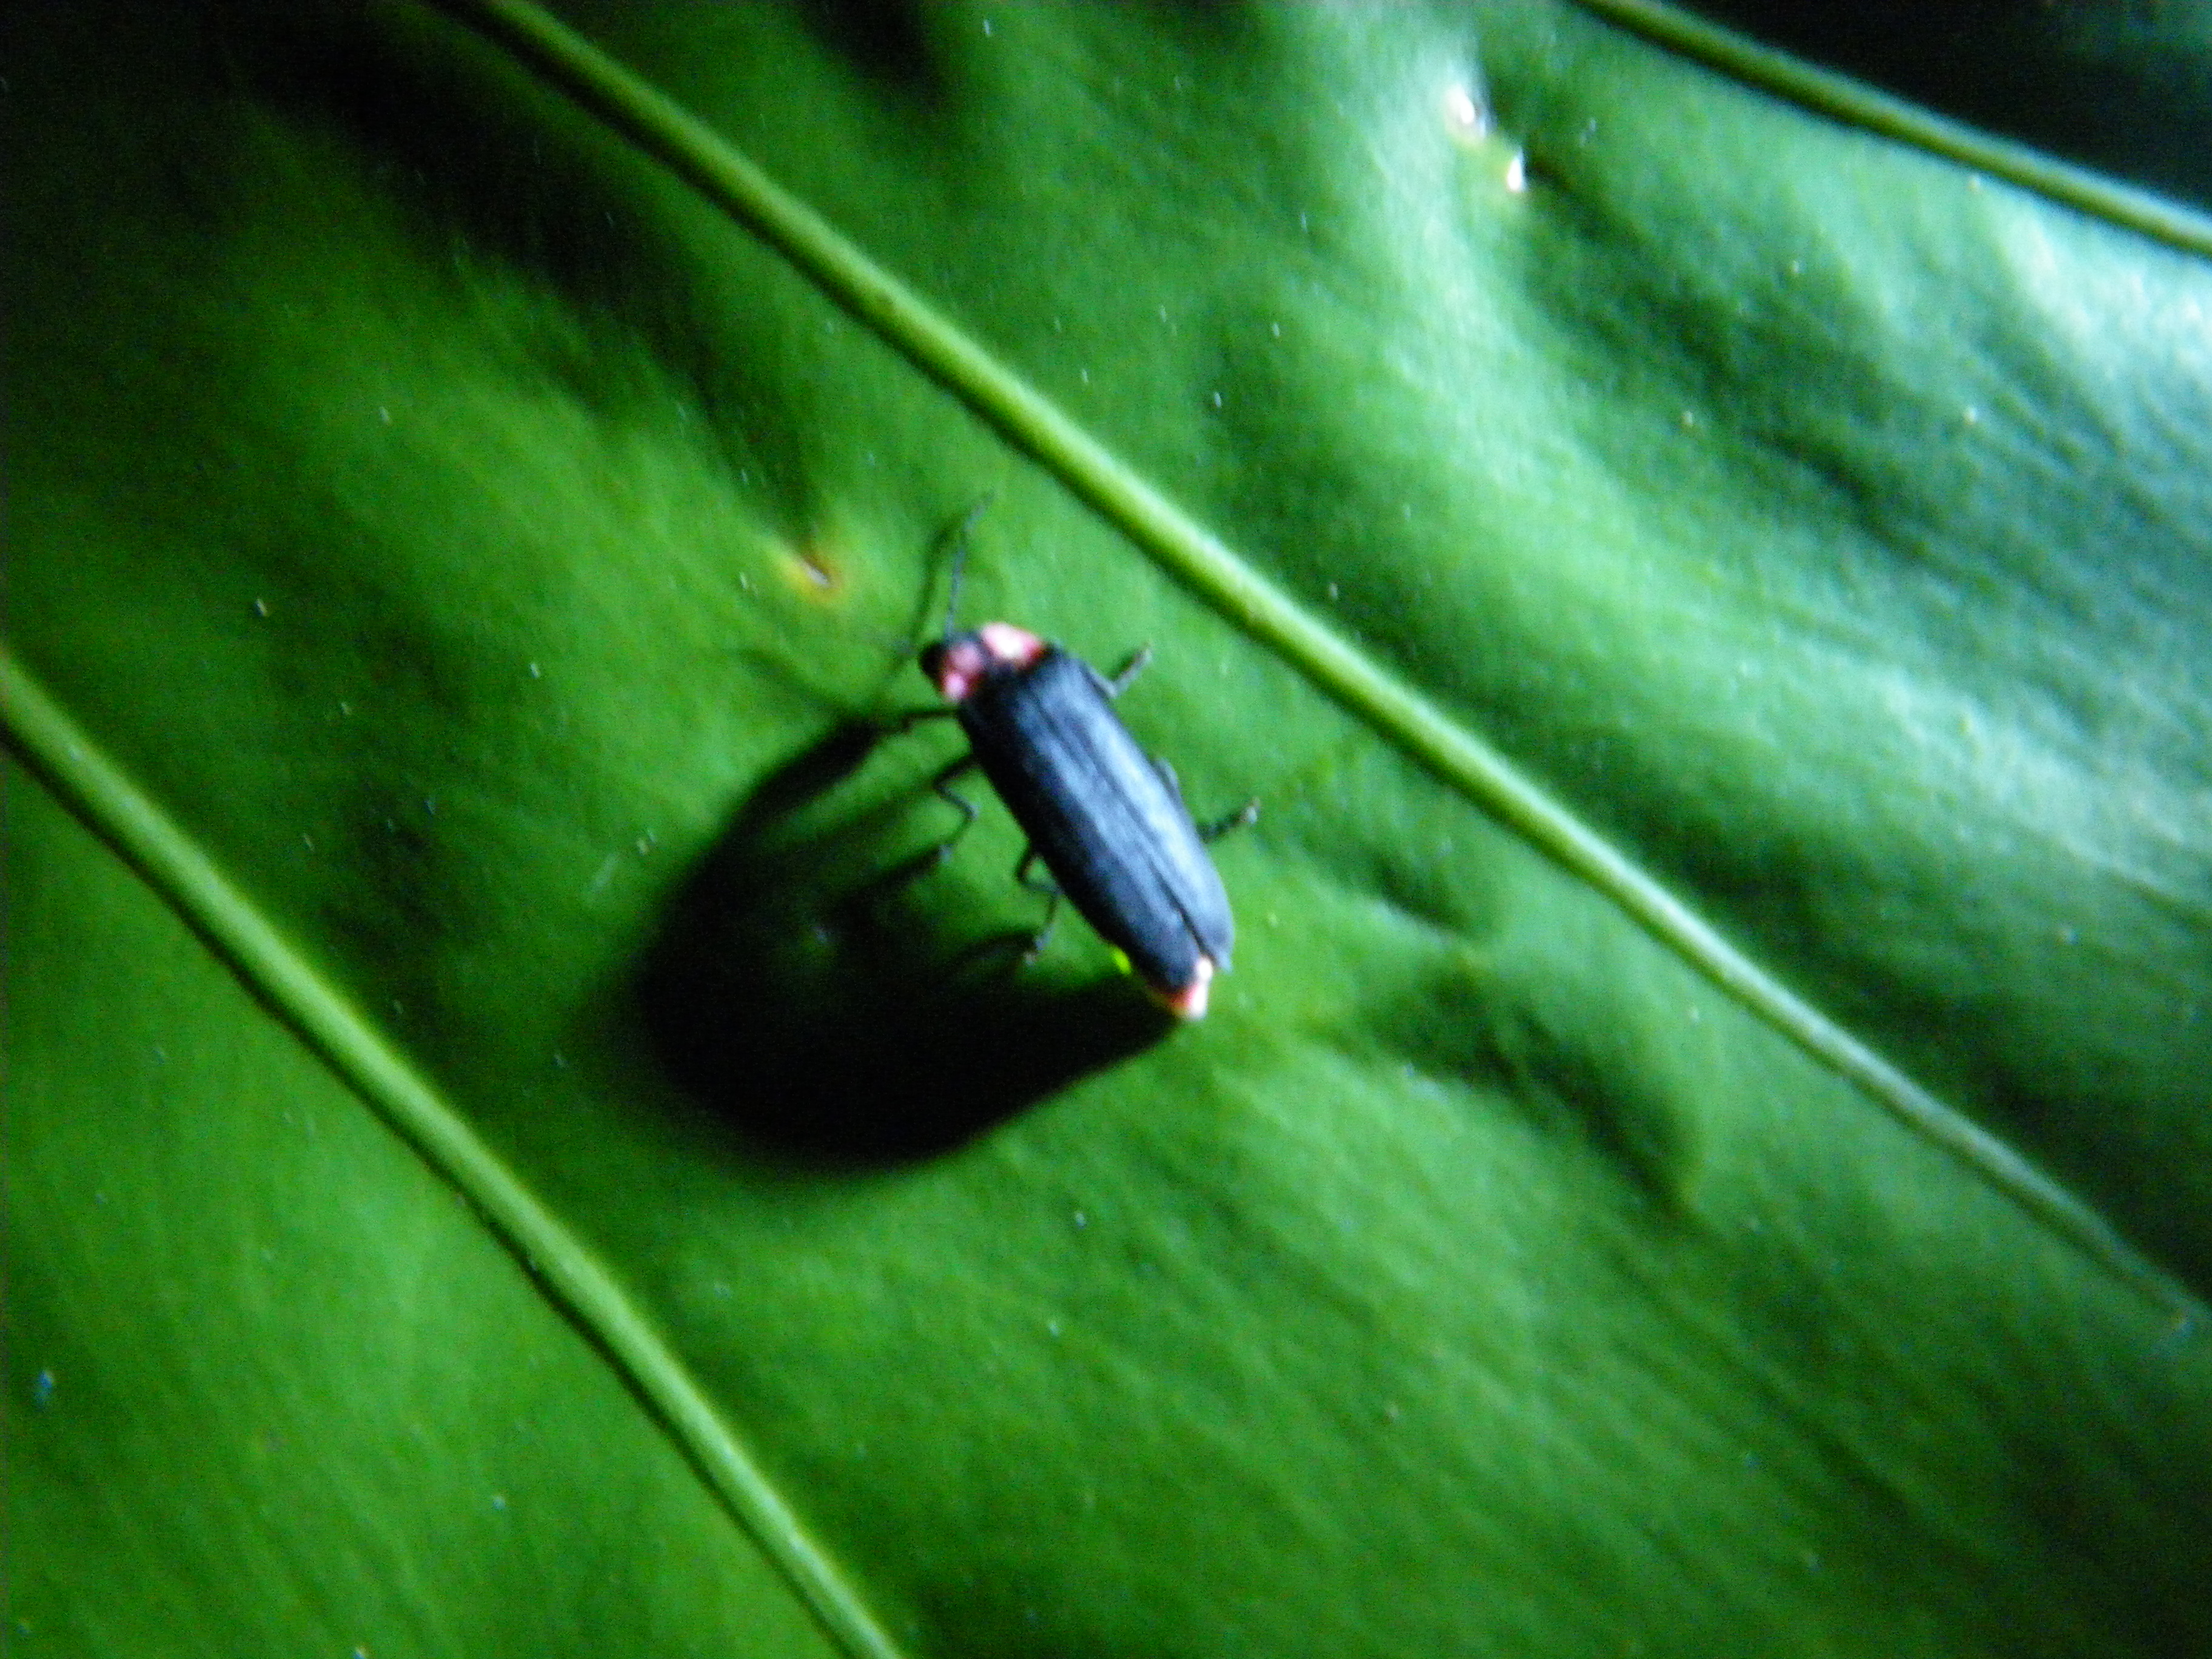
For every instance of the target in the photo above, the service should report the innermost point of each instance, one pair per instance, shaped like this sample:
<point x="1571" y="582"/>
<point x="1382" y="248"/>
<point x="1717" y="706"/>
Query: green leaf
<point x="512" y="1144"/>
<point x="2128" y="89"/>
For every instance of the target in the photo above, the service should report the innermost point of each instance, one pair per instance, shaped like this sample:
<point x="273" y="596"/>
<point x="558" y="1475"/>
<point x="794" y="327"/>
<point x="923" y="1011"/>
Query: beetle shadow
<point x="839" y="1020"/>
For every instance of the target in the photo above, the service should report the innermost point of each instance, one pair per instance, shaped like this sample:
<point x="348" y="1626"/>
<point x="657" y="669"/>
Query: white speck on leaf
<point x="1464" y="113"/>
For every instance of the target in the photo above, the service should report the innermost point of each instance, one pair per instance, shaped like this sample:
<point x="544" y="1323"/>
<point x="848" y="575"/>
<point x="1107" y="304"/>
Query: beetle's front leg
<point x="1129" y="671"/>
<point x="941" y="785"/>
<point x="902" y="723"/>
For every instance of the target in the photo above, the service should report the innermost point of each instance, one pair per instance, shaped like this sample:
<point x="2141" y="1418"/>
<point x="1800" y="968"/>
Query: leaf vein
<point x="1855" y="103"/>
<point x="296" y="990"/>
<point x="1461" y="760"/>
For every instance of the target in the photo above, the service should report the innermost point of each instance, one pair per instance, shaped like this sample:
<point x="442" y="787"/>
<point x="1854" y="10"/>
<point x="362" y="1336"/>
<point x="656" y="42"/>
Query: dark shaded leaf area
<point x="2123" y="86"/>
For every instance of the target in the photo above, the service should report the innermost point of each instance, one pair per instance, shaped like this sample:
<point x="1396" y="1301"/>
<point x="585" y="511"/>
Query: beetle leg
<point x="1129" y="671"/>
<point x="942" y="784"/>
<point x="1248" y="813"/>
<point x="1048" y="889"/>
<point x="902" y="723"/>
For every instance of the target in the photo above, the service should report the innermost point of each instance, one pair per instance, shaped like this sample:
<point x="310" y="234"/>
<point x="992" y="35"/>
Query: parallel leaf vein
<point x="1854" y="102"/>
<point x="740" y="187"/>
<point x="132" y="822"/>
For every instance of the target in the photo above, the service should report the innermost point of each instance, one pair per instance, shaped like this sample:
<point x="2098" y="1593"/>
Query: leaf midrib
<point x="295" y="988"/>
<point x="1458" y="757"/>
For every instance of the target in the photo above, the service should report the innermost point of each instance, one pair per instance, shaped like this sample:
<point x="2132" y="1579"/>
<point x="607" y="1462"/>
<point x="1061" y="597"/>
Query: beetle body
<point x="1106" y="819"/>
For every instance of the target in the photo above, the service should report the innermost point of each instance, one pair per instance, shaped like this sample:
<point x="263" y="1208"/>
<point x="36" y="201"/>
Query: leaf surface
<point x="1703" y="1148"/>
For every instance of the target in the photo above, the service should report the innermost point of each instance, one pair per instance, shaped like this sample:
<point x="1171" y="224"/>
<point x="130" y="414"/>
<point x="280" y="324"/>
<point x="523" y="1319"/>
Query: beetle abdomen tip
<point x="1188" y="1001"/>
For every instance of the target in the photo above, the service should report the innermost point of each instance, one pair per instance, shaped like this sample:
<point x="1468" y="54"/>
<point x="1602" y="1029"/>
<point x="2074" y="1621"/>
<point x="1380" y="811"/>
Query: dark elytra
<point x="1105" y="818"/>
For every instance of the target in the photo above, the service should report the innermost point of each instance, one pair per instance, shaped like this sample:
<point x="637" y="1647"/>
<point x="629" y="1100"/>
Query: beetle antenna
<point x="960" y="559"/>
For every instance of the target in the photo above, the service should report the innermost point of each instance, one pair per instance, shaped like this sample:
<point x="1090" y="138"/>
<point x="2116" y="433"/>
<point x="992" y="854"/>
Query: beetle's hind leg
<point x="1024" y="874"/>
<point x="1248" y="813"/>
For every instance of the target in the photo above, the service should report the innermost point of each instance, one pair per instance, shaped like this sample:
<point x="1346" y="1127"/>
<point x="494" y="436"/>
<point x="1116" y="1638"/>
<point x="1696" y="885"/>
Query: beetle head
<point x="958" y="663"/>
